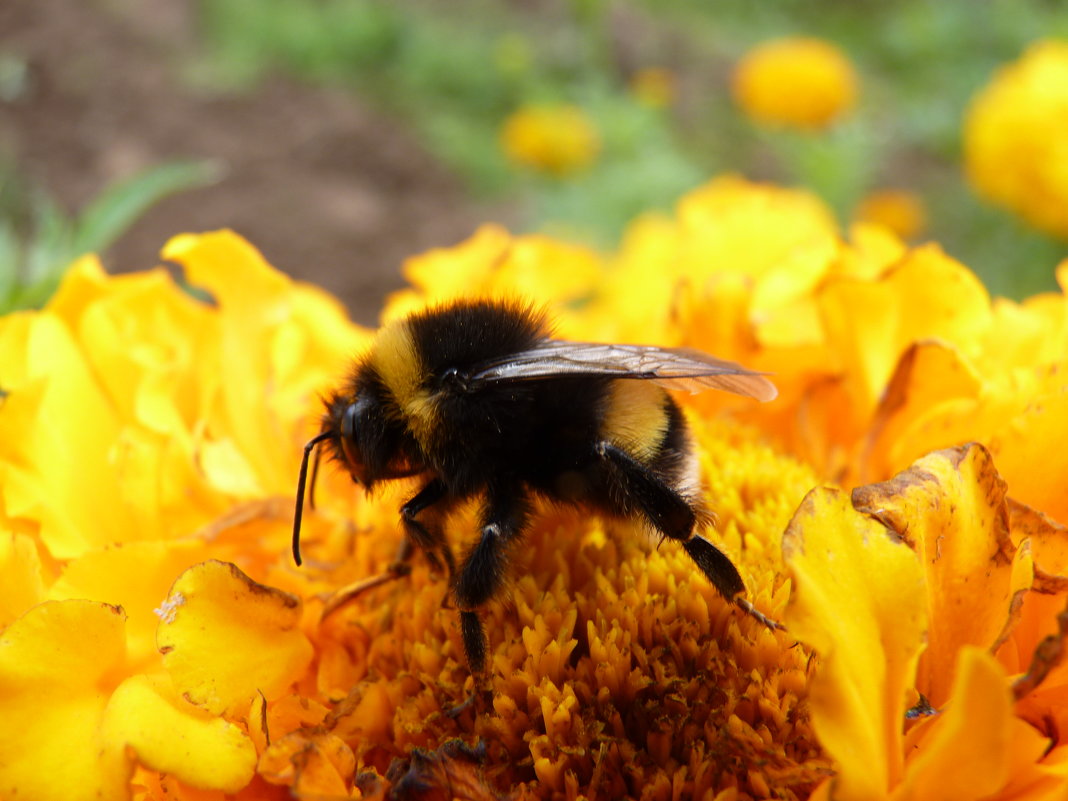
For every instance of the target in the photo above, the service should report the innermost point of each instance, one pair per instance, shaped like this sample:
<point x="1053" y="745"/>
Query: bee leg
<point x="429" y="539"/>
<point x="415" y="535"/>
<point x="673" y="516"/>
<point x="483" y="570"/>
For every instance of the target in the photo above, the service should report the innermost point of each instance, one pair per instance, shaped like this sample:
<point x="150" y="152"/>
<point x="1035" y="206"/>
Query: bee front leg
<point x="416" y="534"/>
<point x="430" y="539"/>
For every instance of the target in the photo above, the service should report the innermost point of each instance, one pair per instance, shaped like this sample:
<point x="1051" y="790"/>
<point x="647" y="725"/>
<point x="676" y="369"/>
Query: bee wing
<point x="674" y="368"/>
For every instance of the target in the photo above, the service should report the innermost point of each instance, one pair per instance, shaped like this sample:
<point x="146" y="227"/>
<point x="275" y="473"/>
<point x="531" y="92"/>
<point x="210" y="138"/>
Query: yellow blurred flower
<point x="899" y="507"/>
<point x="901" y="211"/>
<point x="558" y="139"/>
<point x="655" y="87"/>
<point x="1015" y="145"/>
<point x="796" y="82"/>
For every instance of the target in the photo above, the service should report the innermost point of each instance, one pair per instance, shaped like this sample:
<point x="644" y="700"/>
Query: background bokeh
<point x="341" y="136"/>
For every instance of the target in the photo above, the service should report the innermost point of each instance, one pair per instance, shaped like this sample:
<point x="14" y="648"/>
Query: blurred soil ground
<point x="329" y="190"/>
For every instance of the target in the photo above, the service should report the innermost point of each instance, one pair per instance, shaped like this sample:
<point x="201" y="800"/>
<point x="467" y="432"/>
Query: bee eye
<point x="348" y="423"/>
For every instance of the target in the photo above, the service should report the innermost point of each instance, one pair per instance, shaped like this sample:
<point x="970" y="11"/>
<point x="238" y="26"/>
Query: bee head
<point x="364" y="437"/>
<point x="341" y="425"/>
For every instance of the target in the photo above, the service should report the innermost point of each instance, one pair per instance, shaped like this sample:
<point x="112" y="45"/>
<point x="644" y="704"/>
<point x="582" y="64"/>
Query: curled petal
<point x="950" y="506"/>
<point x="172" y="736"/>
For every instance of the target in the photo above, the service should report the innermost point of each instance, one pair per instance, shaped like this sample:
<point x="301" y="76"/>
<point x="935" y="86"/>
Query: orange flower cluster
<point x="795" y="82"/>
<point x="1015" y="150"/>
<point x="158" y="642"/>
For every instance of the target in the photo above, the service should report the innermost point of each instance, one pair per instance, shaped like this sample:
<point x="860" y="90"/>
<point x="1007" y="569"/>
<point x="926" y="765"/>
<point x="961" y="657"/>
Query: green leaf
<point x="114" y="210"/>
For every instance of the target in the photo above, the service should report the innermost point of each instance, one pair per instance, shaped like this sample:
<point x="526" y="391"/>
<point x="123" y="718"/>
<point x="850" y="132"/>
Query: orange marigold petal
<point x="929" y="376"/>
<point x="870" y="323"/>
<point x="1040" y="415"/>
<point x="315" y="765"/>
<point x="58" y="665"/>
<point x="224" y="638"/>
<point x="967" y="746"/>
<point x="172" y="736"/>
<point x="1049" y="544"/>
<point x="859" y="602"/>
<point x="950" y="506"/>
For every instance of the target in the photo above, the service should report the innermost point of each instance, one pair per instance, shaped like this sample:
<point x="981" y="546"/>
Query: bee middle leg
<point x="483" y="571"/>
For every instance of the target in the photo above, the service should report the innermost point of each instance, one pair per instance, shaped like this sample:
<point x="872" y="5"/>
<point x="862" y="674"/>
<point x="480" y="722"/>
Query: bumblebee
<point x="477" y="400"/>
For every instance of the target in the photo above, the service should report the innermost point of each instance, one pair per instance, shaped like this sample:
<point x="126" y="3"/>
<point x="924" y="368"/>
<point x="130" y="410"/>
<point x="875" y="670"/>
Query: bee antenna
<point x="301" y="481"/>
<point x="314" y="476"/>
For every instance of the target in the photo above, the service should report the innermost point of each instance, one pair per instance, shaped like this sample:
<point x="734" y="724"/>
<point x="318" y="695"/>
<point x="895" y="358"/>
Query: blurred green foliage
<point x="38" y="240"/>
<point x="454" y="71"/>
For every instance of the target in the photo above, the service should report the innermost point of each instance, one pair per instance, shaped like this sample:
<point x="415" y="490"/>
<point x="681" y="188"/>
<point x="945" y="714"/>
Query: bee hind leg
<point x="675" y="517"/>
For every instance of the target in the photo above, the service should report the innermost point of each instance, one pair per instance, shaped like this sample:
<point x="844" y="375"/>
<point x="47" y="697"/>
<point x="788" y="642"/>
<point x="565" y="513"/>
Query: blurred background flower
<point x="656" y="87"/>
<point x="795" y="82"/>
<point x="556" y="139"/>
<point x="901" y="211"/>
<point x="1016" y="137"/>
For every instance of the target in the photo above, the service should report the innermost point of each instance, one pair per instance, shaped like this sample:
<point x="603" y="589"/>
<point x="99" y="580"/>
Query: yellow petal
<point x="253" y="299"/>
<point x="20" y="565"/>
<point x="83" y="283"/>
<point x="135" y="577"/>
<point x="172" y="736"/>
<point x="58" y="665"/>
<point x="224" y="638"/>
<point x="70" y="458"/>
<point x="950" y="506"/>
<point x="967" y="747"/>
<point x="859" y="602"/>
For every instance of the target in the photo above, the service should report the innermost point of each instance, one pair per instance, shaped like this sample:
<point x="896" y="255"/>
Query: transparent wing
<point x="674" y="368"/>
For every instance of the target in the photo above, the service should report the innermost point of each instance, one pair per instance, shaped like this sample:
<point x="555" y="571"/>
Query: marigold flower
<point x="898" y="508"/>
<point x="1015" y="150"/>
<point x="558" y="139"/>
<point x="901" y="211"/>
<point x="796" y="82"/>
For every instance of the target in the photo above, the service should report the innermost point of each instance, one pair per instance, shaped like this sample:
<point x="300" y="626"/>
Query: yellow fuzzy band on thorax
<point x="635" y="418"/>
<point x="401" y="368"/>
